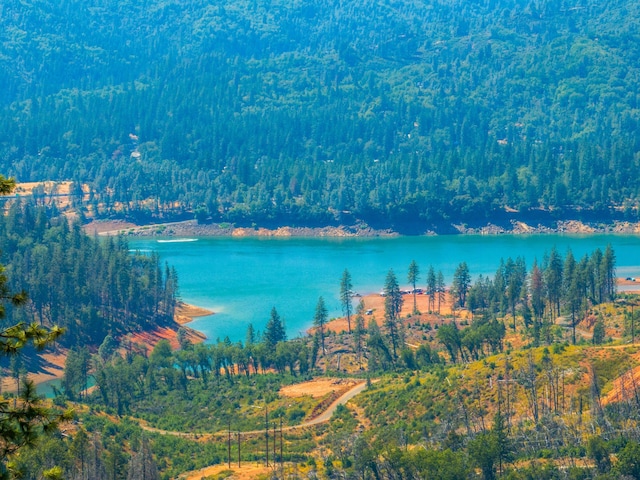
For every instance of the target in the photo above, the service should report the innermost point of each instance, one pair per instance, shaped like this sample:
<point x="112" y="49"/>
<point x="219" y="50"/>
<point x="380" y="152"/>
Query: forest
<point x="405" y="115"/>
<point x="89" y="287"/>
<point x="481" y="379"/>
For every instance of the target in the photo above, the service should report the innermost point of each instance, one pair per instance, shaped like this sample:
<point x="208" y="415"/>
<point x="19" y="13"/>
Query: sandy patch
<point x="101" y="227"/>
<point x="318" y="388"/>
<point x="574" y="226"/>
<point x="185" y="313"/>
<point x="247" y="471"/>
<point x="628" y="286"/>
<point x="375" y="303"/>
<point x="149" y="339"/>
<point x="26" y="188"/>
<point x="625" y="388"/>
<point x="53" y="367"/>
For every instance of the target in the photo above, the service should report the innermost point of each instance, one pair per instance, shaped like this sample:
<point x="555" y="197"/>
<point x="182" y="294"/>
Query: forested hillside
<point x="90" y="288"/>
<point x="321" y="112"/>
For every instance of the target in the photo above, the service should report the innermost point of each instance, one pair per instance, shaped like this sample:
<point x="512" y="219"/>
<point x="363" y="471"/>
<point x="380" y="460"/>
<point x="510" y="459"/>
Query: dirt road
<point x="323" y="417"/>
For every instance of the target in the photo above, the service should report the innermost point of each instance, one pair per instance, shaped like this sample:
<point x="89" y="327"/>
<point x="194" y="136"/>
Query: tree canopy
<point x="288" y="113"/>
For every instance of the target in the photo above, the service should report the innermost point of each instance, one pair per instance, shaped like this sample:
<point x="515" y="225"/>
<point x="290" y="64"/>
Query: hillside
<point x="408" y="115"/>
<point x="523" y="411"/>
<point x="520" y="375"/>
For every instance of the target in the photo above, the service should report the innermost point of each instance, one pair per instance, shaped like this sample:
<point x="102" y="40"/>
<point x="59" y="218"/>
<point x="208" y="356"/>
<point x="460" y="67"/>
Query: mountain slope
<point x="309" y="113"/>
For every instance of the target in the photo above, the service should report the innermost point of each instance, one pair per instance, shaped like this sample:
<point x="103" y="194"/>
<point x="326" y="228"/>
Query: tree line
<point x="557" y="286"/>
<point x="282" y="113"/>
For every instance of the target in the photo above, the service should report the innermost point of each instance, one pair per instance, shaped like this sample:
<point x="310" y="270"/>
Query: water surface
<point x="241" y="279"/>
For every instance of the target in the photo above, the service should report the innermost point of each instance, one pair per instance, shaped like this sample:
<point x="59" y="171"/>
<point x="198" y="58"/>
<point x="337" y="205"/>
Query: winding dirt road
<point x="322" y="418"/>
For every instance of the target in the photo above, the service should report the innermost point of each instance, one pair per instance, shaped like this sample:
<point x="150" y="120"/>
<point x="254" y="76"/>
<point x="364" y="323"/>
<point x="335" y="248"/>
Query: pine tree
<point x="553" y="281"/>
<point x="412" y="278"/>
<point x="440" y="289"/>
<point x="358" y="332"/>
<point x="250" y="337"/>
<point x="609" y="273"/>
<point x="537" y="292"/>
<point x="320" y="320"/>
<point x="461" y="283"/>
<point x="431" y="288"/>
<point x="598" y="332"/>
<point x="392" y="306"/>
<point x="516" y="275"/>
<point x="346" y="293"/>
<point x="274" y="331"/>
<point x="315" y="348"/>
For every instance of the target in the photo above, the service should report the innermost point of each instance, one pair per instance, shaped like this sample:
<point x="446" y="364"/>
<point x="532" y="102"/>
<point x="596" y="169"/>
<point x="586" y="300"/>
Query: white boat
<point x="178" y="240"/>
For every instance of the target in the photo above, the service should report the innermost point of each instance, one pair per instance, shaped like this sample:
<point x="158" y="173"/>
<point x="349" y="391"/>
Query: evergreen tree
<point x="380" y="358"/>
<point x="250" y="337"/>
<point x="315" y="348"/>
<point x="596" y="279"/>
<point x="461" y="283"/>
<point x="359" y="331"/>
<point x="502" y="442"/>
<point x="76" y="372"/>
<point x="516" y="275"/>
<point x="573" y="291"/>
<point x="346" y="293"/>
<point x="537" y="292"/>
<point x="598" y="332"/>
<point x="553" y="281"/>
<point x="412" y="278"/>
<point x="609" y="273"/>
<point x="432" y="288"/>
<point x="440" y="289"/>
<point x="274" y="331"/>
<point x="107" y="348"/>
<point x="25" y="419"/>
<point x="392" y="307"/>
<point x="449" y="335"/>
<point x="320" y="320"/>
<point x="629" y="460"/>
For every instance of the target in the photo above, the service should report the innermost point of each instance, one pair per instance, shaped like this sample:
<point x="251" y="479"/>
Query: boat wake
<point x="178" y="240"/>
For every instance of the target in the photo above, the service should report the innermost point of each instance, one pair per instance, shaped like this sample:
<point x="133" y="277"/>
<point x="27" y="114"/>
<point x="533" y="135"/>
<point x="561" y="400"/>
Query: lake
<point x="241" y="279"/>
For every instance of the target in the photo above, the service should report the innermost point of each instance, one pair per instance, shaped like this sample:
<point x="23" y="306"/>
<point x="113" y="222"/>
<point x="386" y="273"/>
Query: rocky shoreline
<point x="561" y="226"/>
<point x="193" y="228"/>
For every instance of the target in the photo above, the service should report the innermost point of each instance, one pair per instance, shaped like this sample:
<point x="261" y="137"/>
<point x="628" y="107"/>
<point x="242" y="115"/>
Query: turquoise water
<point x="241" y="279"/>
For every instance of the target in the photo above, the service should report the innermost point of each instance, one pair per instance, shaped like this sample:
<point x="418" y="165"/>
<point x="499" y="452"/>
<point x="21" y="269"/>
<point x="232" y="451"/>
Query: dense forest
<point x="401" y="114"/>
<point x="89" y="287"/>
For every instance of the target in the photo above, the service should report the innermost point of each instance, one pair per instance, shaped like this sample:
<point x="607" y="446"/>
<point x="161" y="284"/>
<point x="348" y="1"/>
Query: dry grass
<point x="318" y="388"/>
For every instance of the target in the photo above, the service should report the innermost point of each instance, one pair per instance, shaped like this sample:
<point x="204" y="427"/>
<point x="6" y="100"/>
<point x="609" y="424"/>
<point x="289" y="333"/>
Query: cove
<point x="241" y="279"/>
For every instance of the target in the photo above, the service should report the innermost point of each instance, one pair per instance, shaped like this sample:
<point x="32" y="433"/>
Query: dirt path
<point x="326" y="415"/>
<point x="323" y="417"/>
<point x="252" y="470"/>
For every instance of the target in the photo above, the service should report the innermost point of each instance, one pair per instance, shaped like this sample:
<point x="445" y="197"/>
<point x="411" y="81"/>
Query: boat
<point x="178" y="240"/>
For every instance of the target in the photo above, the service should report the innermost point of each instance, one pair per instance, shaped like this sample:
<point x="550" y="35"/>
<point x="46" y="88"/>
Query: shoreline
<point x="54" y="360"/>
<point x="191" y="228"/>
<point x="375" y="303"/>
<point x="184" y="314"/>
